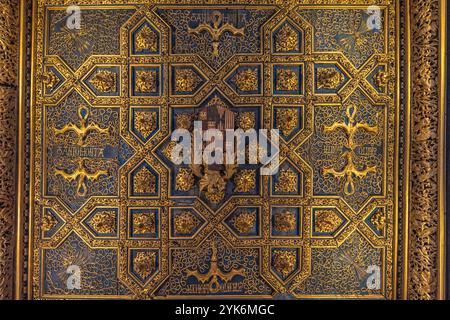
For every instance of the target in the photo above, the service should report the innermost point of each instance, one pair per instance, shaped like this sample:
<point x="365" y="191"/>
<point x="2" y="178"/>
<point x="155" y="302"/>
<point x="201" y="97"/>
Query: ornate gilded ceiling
<point x="109" y="199"/>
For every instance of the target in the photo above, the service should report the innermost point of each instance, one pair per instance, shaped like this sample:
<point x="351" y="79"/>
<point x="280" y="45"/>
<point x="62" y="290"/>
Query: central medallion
<point x="214" y="183"/>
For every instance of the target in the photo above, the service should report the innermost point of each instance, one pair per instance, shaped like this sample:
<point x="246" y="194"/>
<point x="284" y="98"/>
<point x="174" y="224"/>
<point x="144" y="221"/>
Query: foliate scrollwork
<point x="426" y="150"/>
<point x="9" y="35"/>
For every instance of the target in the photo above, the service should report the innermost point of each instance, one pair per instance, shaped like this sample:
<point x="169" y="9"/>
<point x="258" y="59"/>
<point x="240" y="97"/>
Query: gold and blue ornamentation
<point x="52" y="80"/>
<point x="288" y="181"/>
<point x="379" y="78"/>
<point x="144" y="122"/>
<point x="186" y="80"/>
<point x="288" y="79"/>
<point x="145" y="39"/>
<point x="143" y="264"/>
<point x="146" y="80"/>
<point x="329" y="78"/>
<point x="51" y="223"/>
<point x="104" y="81"/>
<point x="205" y="270"/>
<point x="215" y="34"/>
<point x="103" y="223"/>
<point x="285" y="262"/>
<point x="287" y="38"/>
<point x="288" y="120"/>
<point x="246" y="79"/>
<point x="245" y="222"/>
<point x="285" y="221"/>
<point x="346" y="151"/>
<point x="143" y="181"/>
<point x="346" y="31"/>
<point x="327" y="222"/>
<point x="377" y="221"/>
<point x="185" y="222"/>
<point x="99" y="265"/>
<point x="143" y="223"/>
<point x="98" y="35"/>
<point x="84" y="151"/>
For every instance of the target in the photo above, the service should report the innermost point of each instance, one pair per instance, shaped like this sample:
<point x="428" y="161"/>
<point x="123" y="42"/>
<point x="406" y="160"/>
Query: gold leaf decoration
<point x="286" y="39"/>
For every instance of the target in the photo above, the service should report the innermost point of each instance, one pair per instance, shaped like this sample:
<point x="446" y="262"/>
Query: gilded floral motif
<point x="284" y="262"/>
<point x="381" y="79"/>
<point x="168" y="150"/>
<point x="50" y="80"/>
<point x="144" y="181"/>
<point x="286" y="39"/>
<point x="287" y="80"/>
<point x="246" y="120"/>
<point x="146" y="81"/>
<point x="104" y="222"/>
<point x="378" y="220"/>
<point x="144" y="263"/>
<point x="329" y="78"/>
<point x="247" y="80"/>
<point x="144" y="223"/>
<point x="285" y="221"/>
<point x="183" y="121"/>
<point x="146" y="39"/>
<point x="287" y="120"/>
<point x="104" y="81"/>
<point x="48" y="222"/>
<point x="326" y="221"/>
<point x="184" y="180"/>
<point x="245" y="221"/>
<point x="287" y="181"/>
<point x="245" y="180"/>
<point x="185" y="223"/>
<point x="186" y="80"/>
<point x="145" y="122"/>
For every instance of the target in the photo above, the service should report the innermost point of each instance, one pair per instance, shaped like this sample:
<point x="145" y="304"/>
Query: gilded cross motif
<point x="214" y="273"/>
<point x="81" y="174"/>
<point x="215" y="31"/>
<point x="350" y="126"/>
<point x="82" y="131"/>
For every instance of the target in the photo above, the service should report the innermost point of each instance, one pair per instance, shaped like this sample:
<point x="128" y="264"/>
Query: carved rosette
<point x="425" y="252"/>
<point x="9" y="30"/>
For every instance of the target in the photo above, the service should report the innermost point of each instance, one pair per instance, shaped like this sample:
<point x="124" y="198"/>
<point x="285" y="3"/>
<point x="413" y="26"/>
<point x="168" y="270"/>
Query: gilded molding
<point x="425" y="253"/>
<point x="8" y="100"/>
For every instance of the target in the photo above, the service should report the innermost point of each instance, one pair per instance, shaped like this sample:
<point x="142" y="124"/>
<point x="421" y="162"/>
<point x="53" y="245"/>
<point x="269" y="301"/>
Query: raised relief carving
<point x="145" y="263"/>
<point x="287" y="181"/>
<point x="84" y="129"/>
<point x="146" y="81"/>
<point x="104" y="81"/>
<point x="286" y="39"/>
<point x="247" y="80"/>
<point x="215" y="273"/>
<point x="244" y="222"/>
<point x="216" y="30"/>
<point x="146" y="40"/>
<point x="350" y="171"/>
<point x="81" y="174"/>
<point x="328" y="78"/>
<point x="104" y="222"/>
<point x="245" y="180"/>
<point x="287" y="80"/>
<point x="185" y="223"/>
<point x="285" y="221"/>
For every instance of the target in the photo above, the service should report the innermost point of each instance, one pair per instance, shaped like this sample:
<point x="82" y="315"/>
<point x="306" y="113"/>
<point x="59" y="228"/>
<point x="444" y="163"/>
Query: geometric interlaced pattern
<point x="108" y="198"/>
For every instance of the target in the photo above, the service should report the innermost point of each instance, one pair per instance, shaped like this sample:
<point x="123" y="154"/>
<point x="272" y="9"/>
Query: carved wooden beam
<point x="424" y="277"/>
<point x="9" y="47"/>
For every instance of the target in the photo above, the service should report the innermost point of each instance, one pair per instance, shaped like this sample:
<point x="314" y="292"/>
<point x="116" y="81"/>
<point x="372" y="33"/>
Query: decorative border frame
<point x="421" y="267"/>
